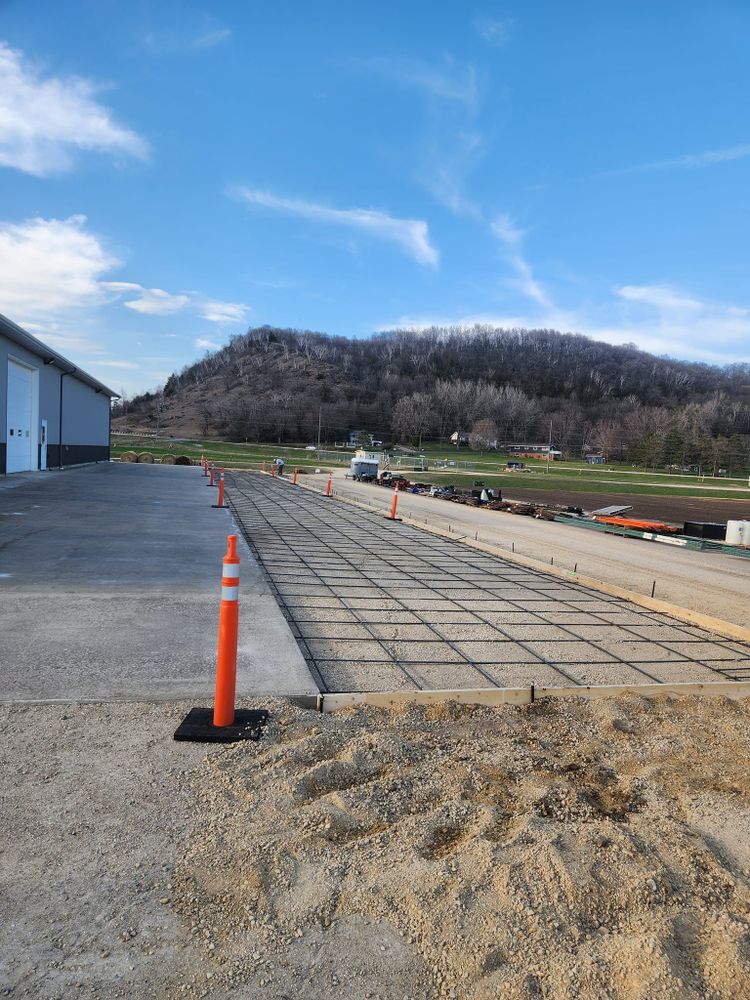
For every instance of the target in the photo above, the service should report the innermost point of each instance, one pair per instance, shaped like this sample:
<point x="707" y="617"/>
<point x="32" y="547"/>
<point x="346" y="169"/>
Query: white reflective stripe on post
<point x="231" y="569"/>
<point x="229" y="593"/>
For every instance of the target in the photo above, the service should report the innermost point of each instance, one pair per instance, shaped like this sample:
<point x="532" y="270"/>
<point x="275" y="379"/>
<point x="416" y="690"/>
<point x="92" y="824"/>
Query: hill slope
<point x="271" y="384"/>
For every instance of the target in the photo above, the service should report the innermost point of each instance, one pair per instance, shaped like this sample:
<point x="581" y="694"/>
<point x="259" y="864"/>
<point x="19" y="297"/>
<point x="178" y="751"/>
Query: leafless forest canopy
<point x="405" y="386"/>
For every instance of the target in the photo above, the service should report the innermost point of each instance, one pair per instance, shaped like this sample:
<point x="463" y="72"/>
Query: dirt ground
<point x="674" y="509"/>
<point x="564" y="849"/>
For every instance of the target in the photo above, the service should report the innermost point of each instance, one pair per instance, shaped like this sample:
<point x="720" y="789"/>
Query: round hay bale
<point x="146" y="457"/>
<point x="183" y="460"/>
<point x="128" y="456"/>
<point x="168" y="460"/>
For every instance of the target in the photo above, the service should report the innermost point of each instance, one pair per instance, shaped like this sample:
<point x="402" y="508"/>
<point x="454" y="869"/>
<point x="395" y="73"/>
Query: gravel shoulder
<point x="569" y="850"/>
<point x="708" y="582"/>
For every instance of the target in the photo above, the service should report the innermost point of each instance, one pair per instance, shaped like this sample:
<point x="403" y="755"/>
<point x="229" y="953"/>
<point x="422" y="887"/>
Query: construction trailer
<point x="365" y="465"/>
<point x="52" y="414"/>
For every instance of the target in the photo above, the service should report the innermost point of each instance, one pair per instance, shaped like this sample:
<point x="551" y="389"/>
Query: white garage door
<point x="20" y="436"/>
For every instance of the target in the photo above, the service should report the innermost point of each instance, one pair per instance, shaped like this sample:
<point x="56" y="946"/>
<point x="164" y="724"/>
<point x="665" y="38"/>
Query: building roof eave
<point x="26" y="340"/>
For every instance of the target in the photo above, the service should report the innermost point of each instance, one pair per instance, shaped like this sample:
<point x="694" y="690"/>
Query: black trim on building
<point x="76" y="454"/>
<point x="2" y="458"/>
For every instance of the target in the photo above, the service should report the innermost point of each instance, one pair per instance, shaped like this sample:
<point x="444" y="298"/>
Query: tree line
<point x="407" y="386"/>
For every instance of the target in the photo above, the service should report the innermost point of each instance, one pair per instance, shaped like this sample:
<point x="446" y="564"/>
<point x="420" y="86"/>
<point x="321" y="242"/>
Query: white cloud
<point x="129" y="365"/>
<point x="50" y="266"/>
<point x="494" y="30"/>
<point x="656" y="319"/>
<point x="44" y="120"/>
<point x="512" y="239"/>
<point x="149" y="301"/>
<point x="157" y="302"/>
<point x="660" y="296"/>
<point x="223" y="312"/>
<point x="411" y="235"/>
<point x="691" y="160"/>
<point x="205" y="37"/>
<point x="448" y="81"/>
<point x="203" y="344"/>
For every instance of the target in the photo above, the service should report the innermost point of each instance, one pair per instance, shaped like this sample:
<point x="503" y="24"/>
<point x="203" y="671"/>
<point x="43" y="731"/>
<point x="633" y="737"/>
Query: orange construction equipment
<point x="394" y="505"/>
<point x="639" y="525"/>
<point x="294" y="477"/>
<point x="328" y="485"/>
<point x="226" y="656"/>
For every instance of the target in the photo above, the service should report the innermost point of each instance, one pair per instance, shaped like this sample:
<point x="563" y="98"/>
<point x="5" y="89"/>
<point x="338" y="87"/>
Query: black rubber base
<point x="217" y="506"/>
<point x="198" y="726"/>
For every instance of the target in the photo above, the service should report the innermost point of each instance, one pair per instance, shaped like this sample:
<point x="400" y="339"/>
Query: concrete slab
<point x="109" y="589"/>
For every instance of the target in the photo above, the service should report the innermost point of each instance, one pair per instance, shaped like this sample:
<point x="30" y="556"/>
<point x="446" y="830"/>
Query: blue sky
<point x="172" y="173"/>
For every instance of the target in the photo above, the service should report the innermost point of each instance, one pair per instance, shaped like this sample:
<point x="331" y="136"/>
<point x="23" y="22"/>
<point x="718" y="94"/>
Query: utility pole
<point x="320" y="417"/>
<point x="549" y="450"/>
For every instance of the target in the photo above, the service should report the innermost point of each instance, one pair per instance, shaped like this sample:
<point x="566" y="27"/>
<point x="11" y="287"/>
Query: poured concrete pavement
<point x="110" y="586"/>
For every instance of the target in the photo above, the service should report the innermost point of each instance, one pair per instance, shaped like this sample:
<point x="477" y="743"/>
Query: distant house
<point x="544" y="452"/>
<point x="459" y="439"/>
<point x="596" y="459"/>
<point x="355" y="438"/>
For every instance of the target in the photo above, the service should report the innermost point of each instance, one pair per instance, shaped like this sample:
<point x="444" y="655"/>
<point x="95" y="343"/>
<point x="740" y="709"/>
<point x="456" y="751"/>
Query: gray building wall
<point x="86" y="411"/>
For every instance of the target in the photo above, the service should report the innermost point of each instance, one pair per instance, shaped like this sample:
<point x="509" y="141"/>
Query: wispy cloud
<point x="157" y="302"/>
<point x="690" y="161"/>
<point x="148" y="301"/>
<point x="445" y="166"/>
<point x="223" y="312"/>
<point x="204" y="344"/>
<point x="410" y="235"/>
<point x="126" y="365"/>
<point x="447" y="79"/>
<point x="186" y="38"/>
<point x="494" y="30"/>
<point x="512" y="240"/>
<point x="659" y="296"/>
<point x="658" y="319"/>
<point x="44" y="120"/>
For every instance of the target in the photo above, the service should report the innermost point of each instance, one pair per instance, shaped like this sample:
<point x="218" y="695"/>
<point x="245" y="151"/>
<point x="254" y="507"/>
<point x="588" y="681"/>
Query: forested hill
<point x="271" y="384"/>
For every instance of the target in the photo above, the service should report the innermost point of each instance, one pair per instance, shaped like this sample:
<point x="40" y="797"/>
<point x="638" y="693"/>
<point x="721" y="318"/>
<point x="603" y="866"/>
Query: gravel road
<point x="712" y="583"/>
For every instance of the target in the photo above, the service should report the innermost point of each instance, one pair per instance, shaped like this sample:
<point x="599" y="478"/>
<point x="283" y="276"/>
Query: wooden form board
<point x="525" y="696"/>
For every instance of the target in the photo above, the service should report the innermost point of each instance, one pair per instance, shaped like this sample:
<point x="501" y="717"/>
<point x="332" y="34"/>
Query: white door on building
<point x="21" y="430"/>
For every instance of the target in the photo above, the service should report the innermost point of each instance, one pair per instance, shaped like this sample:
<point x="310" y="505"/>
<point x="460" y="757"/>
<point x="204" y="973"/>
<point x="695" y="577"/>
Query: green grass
<point x="239" y="456"/>
<point x="572" y="477"/>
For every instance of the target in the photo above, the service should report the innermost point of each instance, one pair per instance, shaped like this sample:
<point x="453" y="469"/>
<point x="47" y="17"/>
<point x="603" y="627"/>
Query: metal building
<point x="52" y="414"/>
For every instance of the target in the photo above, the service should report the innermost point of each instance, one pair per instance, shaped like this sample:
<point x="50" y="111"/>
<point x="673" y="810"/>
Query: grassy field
<point x="575" y="477"/>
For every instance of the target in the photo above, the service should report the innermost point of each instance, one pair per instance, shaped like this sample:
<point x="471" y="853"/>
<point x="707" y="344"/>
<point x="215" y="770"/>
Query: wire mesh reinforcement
<point x="380" y="605"/>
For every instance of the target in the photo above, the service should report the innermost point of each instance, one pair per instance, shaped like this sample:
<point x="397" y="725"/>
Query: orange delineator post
<point x="263" y="467"/>
<point x="221" y="489"/>
<point x="273" y="470"/>
<point x="226" y="656"/>
<point x="394" y="505"/>
<point x="294" y="477"/>
<point x="204" y="464"/>
<point x="328" y="485"/>
<point x="211" y="480"/>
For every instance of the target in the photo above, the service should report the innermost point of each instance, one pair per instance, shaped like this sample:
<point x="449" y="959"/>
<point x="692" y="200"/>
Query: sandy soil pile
<point x="564" y="849"/>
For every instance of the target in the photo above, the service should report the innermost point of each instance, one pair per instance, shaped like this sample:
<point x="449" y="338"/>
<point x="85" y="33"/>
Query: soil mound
<point x="567" y="849"/>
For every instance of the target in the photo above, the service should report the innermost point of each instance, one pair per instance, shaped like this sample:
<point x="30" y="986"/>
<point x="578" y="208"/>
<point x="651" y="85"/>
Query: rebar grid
<point x="376" y="605"/>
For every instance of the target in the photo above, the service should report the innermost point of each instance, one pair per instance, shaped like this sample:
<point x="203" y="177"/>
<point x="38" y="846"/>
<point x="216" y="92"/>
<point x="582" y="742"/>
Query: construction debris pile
<point x="567" y="849"/>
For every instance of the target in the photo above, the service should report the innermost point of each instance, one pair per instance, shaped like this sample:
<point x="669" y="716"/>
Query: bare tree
<point x="483" y="435"/>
